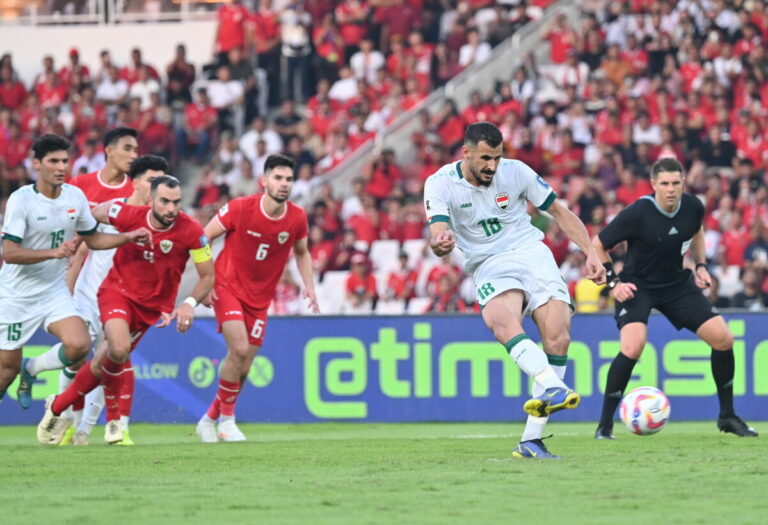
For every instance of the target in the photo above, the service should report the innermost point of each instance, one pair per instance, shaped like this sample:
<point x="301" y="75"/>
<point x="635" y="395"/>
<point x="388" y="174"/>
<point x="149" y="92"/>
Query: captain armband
<point x="201" y="254"/>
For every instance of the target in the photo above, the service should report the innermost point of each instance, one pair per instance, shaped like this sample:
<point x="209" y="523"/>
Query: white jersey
<point x="95" y="268"/>
<point x="39" y="223"/>
<point x="487" y="220"/>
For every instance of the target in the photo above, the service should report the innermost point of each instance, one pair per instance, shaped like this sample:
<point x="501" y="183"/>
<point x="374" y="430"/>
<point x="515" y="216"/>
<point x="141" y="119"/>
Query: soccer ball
<point x="645" y="410"/>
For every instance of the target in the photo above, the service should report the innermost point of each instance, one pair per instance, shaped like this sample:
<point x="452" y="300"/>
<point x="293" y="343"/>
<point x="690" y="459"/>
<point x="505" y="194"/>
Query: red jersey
<point x="149" y="275"/>
<point x="256" y="247"/>
<point x="99" y="191"/>
<point x="232" y="20"/>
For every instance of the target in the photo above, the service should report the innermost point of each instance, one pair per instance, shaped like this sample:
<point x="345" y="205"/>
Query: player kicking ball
<point x="479" y="204"/>
<point x="38" y="233"/>
<point x="261" y="230"/>
<point x="659" y="230"/>
<point x="139" y="291"/>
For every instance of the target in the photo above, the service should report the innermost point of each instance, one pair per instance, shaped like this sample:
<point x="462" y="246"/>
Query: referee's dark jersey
<point x="656" y="240"/>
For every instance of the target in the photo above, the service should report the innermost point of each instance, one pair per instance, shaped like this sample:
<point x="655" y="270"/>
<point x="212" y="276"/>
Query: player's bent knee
<point x="724" y="341"/>
<point x="557" y="344"/>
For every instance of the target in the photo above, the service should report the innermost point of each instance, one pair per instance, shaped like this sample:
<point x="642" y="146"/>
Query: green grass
<point x="365" y="473"/>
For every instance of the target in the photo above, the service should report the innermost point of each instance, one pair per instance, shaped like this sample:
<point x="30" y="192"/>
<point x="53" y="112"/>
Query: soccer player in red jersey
<point x="121" y="149"/>
<point x="139" y="290"/>
<point x="112" y="182"/>
<point x="260" y="232"/>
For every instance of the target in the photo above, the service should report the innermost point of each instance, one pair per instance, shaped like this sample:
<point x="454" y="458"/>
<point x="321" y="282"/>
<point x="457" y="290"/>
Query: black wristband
<point x="699" y="265"/>
<point x="610" y="275"/>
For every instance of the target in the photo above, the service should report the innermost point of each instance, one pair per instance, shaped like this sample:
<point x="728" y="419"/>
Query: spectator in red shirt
<point x="561" y="38"/>
<point x="320" y="249"/>
<point x="446" y="298"/>
<point x="632" y="187"/>
<point x="352" y="17"/>
<point x="382" y="175"/>
<point x="401" y="283"/>
<point x="197" y="126"/>
<point x="15" y="148"/>
<point x="735" y="241"/>
<point x="366" y="223"/>
<point x="12" y="92"/>
<point x="557" y="242"/>
<point x="132" y="72"/>
<point x="74" y="68"/>
<point x="360" y="287"/>
<point x="51" y="92"/>
<point x="231" y="31"/>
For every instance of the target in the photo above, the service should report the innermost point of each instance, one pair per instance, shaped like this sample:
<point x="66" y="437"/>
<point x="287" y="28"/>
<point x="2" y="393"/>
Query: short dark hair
<point x="482" y="132"/>
<point x="116" y="134"/>
<point x="668" y="165"/>
<point x="276" y="160"/>
<point x="145" y="163"/>
<point x="165" y="180"/>
<point x="49" y="143"/>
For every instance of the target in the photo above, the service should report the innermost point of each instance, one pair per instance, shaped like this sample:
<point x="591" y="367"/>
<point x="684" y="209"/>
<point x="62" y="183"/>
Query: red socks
<point x="113" y="376"/>
<point x="226" y="397"/>
<point x="126" y="389"/>
<point x="83" y="383"/>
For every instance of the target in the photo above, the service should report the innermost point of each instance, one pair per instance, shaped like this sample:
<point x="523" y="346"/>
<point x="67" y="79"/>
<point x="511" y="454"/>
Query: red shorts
<point x="114" y="305"/>
<point x="230" y="308"/>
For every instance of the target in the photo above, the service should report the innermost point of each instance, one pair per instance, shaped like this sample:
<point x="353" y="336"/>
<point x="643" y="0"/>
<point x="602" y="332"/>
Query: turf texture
<point x="387" y="473"/>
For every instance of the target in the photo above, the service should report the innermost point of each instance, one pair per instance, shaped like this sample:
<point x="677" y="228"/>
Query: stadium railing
<point x="34" y="12"/>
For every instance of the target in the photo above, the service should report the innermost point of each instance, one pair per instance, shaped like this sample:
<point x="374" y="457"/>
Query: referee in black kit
<point x="659" y="229"/>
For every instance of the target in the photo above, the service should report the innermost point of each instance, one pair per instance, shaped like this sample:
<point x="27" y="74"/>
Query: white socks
<point x="534" y="426"/>
<point x="94" y="403"/>
<point x="51" y="360"/>
<point x="533" y="361"/>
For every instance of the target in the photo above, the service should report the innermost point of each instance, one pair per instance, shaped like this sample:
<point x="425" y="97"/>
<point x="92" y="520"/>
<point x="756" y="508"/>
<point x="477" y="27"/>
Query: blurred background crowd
<point x="626" y="84"/>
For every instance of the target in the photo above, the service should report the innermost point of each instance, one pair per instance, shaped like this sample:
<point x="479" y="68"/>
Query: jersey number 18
<point x="490" y="226"/>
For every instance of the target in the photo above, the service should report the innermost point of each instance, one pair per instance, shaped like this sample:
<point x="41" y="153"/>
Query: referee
<point x="659" y="229"/>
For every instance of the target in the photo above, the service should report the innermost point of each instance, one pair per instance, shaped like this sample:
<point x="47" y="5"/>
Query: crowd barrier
<point x="425" y="368"/>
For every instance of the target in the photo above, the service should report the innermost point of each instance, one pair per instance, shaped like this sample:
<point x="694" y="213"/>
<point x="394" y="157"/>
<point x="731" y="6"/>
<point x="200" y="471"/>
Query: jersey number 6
<point x="261" y="251"/>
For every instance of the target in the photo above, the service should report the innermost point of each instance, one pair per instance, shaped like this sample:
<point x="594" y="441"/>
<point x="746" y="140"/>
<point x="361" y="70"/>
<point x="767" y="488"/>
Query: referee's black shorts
<point x="683" y="304"/>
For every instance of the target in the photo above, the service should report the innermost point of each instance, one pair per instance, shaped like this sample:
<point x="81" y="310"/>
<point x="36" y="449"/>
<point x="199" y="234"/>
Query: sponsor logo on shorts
<point x="623" y="312"/>
<point x="282" y="237"/>
<point x="502" y="200"/>
<point x="233" y="312"/>
<point x="166" y="245"/>
<point x="118" y="311"/>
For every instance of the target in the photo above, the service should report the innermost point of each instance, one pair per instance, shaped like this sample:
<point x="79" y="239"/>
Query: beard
<point x="277" y="198"/>
<point x="162" y="219"/>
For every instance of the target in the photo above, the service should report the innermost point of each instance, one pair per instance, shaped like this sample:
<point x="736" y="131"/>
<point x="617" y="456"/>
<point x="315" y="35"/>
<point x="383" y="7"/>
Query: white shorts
<point x="531" y="269"/>
<point x="88" y="309"/>
<point x="20" y="318"/>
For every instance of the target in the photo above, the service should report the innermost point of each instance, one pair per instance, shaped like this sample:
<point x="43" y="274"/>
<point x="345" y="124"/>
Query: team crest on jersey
<point x="502" y="200"/>
<point x="166" y="245"/>
<point x="282" y="237"/>
<point x="72" y="213"/>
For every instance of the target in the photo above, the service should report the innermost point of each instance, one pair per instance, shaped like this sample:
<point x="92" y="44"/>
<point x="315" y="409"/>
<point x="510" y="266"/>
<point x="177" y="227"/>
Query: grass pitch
<point x="387" y="473"/>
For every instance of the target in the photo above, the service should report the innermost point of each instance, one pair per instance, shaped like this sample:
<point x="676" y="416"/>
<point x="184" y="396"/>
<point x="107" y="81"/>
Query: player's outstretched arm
<point x="106" y="241"/>
<point x="304" y="262"/>
<point x="14" y="253"/>
<point x="577" y="232"/>
<point x="441" y="238"/>
<point x="100" y="212"/>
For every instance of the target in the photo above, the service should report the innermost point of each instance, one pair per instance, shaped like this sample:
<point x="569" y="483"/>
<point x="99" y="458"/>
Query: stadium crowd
<point x="633" y="82"/>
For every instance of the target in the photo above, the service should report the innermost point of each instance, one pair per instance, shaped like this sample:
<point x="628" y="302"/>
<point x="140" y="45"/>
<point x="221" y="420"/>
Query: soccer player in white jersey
<point x="38" y="238"/>
<point x="95" y="268"/>
<point x="479" y="204"/>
